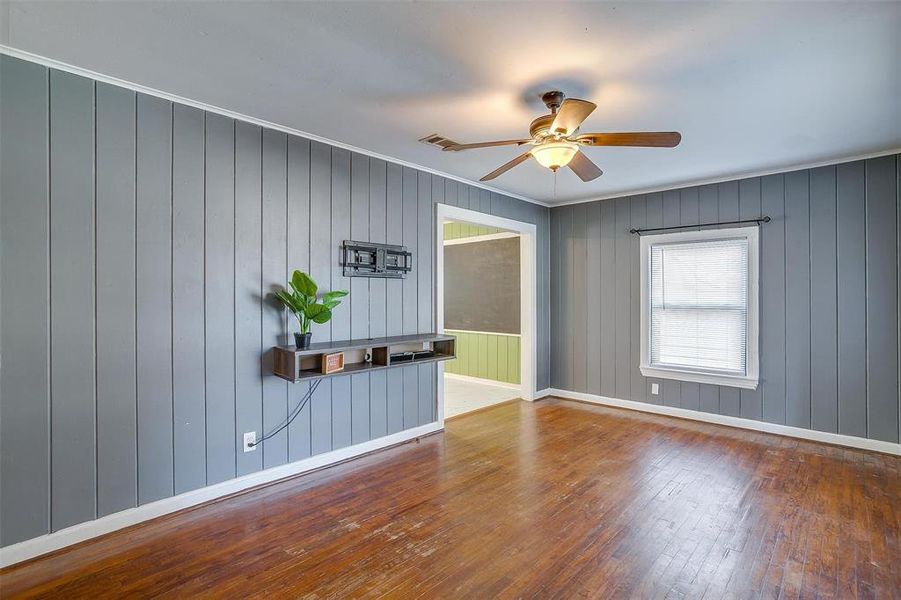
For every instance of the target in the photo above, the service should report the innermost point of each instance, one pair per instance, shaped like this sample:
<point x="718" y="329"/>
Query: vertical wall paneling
<point x="637" y="220"/>
<point x="852" y="311"/>
<point x="772" y="300"/>
<point x="359" y="230"/>
<point x="475" y="198"/>
<point x="450" y="192"/>
<point x="567" y="297"/>
<point x="25" y="285"/>
<point x="248" y="292"/>
<point x="408" y="218"/>
<point x="188" y="298"/>
<point x="823" y="309"/>
<point x="411" y="396"/>
<point x="623" y="310"/>
<point x="359" y="411"/>
<point x="116" y="373"/>
<point x="882" y="300"/>
<point x="164" y="230"/>
<point x="492" y="357"/>
<point x="484" y="201"/>
<point x="320" y="270"/>
<point x="219" y="294"/>
<point x="557" y="309"/>
<point x="829" y="300"/>
<point x="578" y="292"/>
<point x="298" y="258"/>
<point x="654" y="218"/>
<point x="341" y="386"/>
<point x="72" y="366"/>
<point x="359" y="293"/>
<point x="797" y="300"/>
<point x="730" y="397"/>
<point x="543" y="330"/>
<point x="425" y="235"/>
<point x="394" y="235"/>
<point x="378" y="381"/>
<point x="671" y="390"/>
<point x="274" y="228"/>
<point x="749" y="208"/>
<point x="608" y="298"/>
<point x="154" y="298"/>
<point x="395" y="291"/>
<point x="708" y="212"/>
<point x="483" y="356"/>
<point x="593" y="286"/>
<point x="395" y="400"/>
<point x="377" y="233"/>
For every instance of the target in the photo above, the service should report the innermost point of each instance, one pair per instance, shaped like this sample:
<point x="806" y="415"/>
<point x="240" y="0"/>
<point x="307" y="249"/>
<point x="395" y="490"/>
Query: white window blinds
<point x="698" y="309"/>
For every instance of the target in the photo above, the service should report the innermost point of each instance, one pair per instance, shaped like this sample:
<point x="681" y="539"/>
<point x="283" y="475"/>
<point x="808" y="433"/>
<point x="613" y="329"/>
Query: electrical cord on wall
<point x="292" y="416"/>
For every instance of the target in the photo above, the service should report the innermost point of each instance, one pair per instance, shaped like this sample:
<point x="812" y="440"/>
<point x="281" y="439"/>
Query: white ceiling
<point x="751" y="86"/>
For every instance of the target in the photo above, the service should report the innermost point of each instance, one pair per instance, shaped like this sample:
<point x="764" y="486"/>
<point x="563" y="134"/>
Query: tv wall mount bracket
<point x="369" y="259"/>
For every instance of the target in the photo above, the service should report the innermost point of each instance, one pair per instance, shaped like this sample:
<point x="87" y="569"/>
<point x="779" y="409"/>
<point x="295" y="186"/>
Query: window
<point x="699" y="306"/>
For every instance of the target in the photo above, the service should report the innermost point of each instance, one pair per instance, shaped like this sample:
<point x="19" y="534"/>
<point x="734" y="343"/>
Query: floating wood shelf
<point x="305" y="365"/>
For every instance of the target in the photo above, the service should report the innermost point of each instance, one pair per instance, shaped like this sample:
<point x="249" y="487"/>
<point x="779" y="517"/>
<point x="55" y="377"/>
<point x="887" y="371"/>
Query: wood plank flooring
<point x="553" y="499"/>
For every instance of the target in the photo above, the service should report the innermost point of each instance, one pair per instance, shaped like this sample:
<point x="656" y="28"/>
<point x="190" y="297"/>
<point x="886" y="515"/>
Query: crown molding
<point x="143" y="89"/>
<point x="733" y="177"/>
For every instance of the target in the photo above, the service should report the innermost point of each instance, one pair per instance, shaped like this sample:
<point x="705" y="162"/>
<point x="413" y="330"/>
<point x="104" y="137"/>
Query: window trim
<point x="751" y="379"/>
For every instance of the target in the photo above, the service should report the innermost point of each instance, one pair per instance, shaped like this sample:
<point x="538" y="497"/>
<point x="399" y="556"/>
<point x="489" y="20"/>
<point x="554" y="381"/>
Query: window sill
<point x="747" y="383"/>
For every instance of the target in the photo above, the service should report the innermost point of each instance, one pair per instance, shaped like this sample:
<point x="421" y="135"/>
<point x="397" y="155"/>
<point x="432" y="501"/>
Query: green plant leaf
<point x="318" y="313"/>
<point x="289" y="301"/>
<point x="334" y="295"/>
<point x="330" y="299"/>
<point x="304" y="284"/>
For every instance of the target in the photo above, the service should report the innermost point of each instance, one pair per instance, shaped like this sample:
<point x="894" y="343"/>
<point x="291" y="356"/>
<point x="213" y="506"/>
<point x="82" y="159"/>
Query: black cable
<point x="292" y="416"/>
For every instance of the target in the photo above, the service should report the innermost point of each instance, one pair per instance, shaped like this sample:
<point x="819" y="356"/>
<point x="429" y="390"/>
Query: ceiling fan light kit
<point x="556" y="139"/>
<point x="553" y="155"/>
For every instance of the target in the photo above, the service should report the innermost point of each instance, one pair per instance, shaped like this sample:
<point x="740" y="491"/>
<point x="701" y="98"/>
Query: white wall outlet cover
<point x="655" y="388"/>
<point x="250" y="438"/>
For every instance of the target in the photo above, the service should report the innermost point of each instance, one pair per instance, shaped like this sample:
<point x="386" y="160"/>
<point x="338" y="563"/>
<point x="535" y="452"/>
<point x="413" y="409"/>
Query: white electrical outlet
<point x="250" y="440"/>
<point x="655" y="388"/>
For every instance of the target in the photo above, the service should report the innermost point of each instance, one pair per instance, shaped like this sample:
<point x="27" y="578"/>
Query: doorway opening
<point x="486" y="298"/>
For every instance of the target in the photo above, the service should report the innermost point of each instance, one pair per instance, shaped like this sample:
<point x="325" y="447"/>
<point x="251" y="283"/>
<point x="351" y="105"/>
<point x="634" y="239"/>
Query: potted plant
<point x="301" y="300"/>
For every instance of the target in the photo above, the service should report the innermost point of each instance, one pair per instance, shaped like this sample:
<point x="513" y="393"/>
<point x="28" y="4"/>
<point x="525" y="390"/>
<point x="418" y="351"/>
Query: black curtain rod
<point x="742" y="222"/>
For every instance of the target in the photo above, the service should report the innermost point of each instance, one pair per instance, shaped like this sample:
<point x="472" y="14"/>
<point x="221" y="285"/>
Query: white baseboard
<point x="15" y="553"/>
<point x="695" y="415"/>
<point x="500" y="384"/>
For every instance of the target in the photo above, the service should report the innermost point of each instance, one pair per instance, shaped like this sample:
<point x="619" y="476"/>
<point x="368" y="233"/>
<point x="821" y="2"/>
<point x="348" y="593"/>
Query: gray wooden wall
<point x="829" y="289"/>
<point x="140" y="242"/>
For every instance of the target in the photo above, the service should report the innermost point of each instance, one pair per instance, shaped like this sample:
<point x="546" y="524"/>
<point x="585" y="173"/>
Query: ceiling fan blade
<point x="571" y="114"/>
<point x="584" y="168"/>
<point x="506" y="167"/>
<point x="650" y="139"/>
<point x="458" y="147"/>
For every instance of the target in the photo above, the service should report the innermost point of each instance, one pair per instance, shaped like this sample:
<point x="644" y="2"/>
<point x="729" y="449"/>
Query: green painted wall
<point x="486" y="355"/>
<point x="453" y="231"/>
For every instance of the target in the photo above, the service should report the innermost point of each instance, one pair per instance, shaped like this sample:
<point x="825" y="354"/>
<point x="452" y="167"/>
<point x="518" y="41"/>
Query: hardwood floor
<point x="553" y="499"/>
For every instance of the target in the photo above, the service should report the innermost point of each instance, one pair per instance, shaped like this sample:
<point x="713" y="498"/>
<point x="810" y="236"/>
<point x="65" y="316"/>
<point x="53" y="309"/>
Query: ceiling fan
<point x="556" y="139"/>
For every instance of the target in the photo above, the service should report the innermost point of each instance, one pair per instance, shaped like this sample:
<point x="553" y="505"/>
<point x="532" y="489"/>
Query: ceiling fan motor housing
<point x="553" y="100"/>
